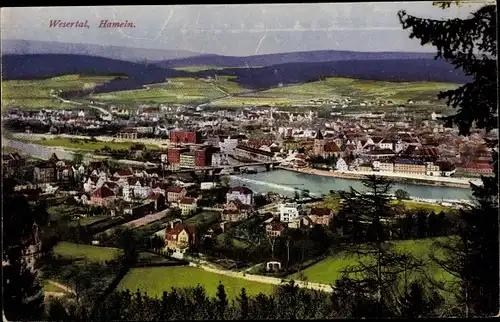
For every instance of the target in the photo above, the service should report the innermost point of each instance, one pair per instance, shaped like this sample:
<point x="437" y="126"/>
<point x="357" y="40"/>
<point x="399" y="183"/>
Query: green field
<point x="85" y="221"/>
<point x="85" y="145"/>
<point x="176" y="90"/>
<point x="155" y="280"/>
<point x="329" y="270"/>
<point x="337" y="87"/>
<point x="410" y="204"/>
<point x="205" y="217"/>
<point x="236" y="242"/>
<point x="88" y="252"/>
<point x="36" y="94"/>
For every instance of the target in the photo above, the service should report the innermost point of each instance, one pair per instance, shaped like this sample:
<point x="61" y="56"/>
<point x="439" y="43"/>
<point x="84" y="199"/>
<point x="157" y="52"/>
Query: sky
<point x="234" y="30"/>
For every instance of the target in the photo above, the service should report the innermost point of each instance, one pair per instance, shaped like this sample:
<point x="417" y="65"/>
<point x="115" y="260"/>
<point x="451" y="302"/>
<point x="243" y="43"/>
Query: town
<point x="250" y="162"/>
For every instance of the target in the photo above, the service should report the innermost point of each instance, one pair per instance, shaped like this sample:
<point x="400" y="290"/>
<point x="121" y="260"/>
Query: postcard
<point x="251" y="161"/>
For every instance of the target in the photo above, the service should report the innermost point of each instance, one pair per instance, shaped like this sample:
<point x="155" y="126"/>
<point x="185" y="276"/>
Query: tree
<point x="402" y="194"/>
<point x="243" y="301"/>
<point x="221" y="301"/>
<point x="224" y="181"/>
<point x="77" y="158"/>
<point x="470" y="44"/>
<point x="379" y="278"/>
<point x="128" y="242"/>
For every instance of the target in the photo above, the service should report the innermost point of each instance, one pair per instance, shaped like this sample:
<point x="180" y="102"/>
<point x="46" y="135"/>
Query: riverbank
<point x="448" y="182"/>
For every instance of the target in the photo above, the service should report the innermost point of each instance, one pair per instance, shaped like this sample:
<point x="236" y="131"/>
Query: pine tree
<point x="243" y="303"/>
<point x="471" y="44"/>
<point x="221" y="301"/>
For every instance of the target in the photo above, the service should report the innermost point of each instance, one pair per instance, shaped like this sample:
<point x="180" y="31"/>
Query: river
<point x="286" y="182"/>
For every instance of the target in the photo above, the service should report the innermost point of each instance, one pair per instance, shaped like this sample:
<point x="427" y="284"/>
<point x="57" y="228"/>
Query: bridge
<point x="219" y="168"/>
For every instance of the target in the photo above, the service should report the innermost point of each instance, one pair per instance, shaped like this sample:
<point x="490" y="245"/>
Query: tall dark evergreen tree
<point x="471" y="44"/>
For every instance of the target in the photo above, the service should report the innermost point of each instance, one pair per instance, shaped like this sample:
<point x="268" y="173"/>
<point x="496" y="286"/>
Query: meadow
<point x="175" y="90"/>
<point x="330" y="269"/>
<point x="338" y="87"/>
<point x="86" y="252"/>
<point x="36" y="94"/>
<point x="334" y="202"/>
<point x="155" y="280"/>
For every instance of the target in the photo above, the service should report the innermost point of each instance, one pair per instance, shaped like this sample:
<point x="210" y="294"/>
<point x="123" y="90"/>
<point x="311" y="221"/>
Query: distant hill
<point x="285" y="58"/>
<point x="408" y="70"/>
<point x="47" y="65"/>
<point x="34" y="47"/>
<point x="50" y="65"/>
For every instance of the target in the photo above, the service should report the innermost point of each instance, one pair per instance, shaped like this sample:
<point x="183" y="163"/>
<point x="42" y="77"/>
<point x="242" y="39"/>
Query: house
<point x="65" y="173"/>
<point x="45" y="172"/>
<point x="235" y="211"/>
<point x="289" y="211"/>
<point x="187" y="205"/>
<point x="274" y="228"/>
<point x="321" y="216"/>
<point x="175" y="193"/>
<point x="341" y="165"/>
<point x="180" y="236"/>
<point x="102" y="196"/>
<point x="242" y="194"/>
<point x="301" y="221"/>
<point x="365" y="167"/>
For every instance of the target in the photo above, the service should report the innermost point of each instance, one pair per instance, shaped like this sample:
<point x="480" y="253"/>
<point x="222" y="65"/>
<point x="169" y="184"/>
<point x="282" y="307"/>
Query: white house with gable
<point x="341" y="165"/>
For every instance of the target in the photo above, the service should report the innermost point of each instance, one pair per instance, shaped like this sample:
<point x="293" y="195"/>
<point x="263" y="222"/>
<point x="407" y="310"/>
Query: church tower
<point x="319" y="144"/>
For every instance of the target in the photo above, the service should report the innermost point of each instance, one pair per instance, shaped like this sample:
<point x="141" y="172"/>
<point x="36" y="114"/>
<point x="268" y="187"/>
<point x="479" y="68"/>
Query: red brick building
<point x="179" y="137"/>
<point x="174" y="155"/>
<point x="201" y="157"/>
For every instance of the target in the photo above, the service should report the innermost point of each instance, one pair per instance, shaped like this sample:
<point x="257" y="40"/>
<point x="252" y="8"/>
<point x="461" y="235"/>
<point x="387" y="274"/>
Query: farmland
<point x="155" y="280"/>
<point x="338" y="87"/>
<point x="176" y="90"/>
<point x="36" y="94"/>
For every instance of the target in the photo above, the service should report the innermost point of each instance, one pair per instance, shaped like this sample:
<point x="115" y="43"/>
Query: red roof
<point x="124" y="173"/>
<point x="188" y="201"/>
<point x="175" y="189"/>
<point x="320" y="212"/>
<point x="170" y="232"/>
<point x="276" y="225"/>
<point x="103" y="192"/>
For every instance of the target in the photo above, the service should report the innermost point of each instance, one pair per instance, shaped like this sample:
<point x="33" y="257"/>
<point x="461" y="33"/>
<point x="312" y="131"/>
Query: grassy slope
<point x="91" y="253"/>
<point x="329" y="270"/>
<point x="177" y="90"/>
<point x="336" y="87"/>
<point x="35" y="94"/>
<point x="155" y="280"/>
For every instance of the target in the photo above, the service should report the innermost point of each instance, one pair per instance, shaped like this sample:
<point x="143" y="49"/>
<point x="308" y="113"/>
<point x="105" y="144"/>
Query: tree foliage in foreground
<point x="470" y="44"/>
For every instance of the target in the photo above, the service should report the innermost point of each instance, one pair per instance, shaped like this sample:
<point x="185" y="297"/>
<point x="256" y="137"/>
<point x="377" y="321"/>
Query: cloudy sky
<point x="237" y="30"/>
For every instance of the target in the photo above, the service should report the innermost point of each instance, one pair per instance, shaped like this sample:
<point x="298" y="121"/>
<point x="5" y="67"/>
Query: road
<point x="80" y="103"/>
<point x="263" y="279"/>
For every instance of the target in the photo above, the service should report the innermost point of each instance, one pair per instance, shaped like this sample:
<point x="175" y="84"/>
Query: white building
<point x="242" y="194"/>
<point x="289" y="211"/>
<point x="228" y="145"/>
<point x="341" y="165"/>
